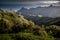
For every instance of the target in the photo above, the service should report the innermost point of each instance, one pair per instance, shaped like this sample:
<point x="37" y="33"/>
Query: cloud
<point x="28" y="2"/>
<point x="31" y="2"/>
<point x="24" y="0"/>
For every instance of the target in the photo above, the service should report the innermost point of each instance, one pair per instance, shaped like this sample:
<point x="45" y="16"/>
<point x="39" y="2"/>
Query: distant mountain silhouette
<point x="51" y="11"/>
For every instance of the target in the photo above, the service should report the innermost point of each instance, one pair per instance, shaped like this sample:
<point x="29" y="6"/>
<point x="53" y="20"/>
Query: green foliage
<point x="16" y="27"/>
<point x="28" y="36"/>
<point x="5" y="37"/>
<point x="53" y="30"/>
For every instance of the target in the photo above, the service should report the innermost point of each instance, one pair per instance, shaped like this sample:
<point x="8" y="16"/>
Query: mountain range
<point x="42" y="15"/>
<point x="51" y="11"/>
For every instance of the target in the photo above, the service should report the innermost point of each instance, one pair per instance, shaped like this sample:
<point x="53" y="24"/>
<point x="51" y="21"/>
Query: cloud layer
<point x="14" y="3"/>
<point x="28" y="2"/>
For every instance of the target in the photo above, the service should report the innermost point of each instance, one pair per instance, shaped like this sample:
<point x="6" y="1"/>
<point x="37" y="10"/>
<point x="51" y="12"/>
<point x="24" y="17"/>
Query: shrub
<point x="5" y="37"/>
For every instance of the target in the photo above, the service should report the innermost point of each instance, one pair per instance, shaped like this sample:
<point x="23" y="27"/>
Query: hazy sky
<point x="15" y="4"/>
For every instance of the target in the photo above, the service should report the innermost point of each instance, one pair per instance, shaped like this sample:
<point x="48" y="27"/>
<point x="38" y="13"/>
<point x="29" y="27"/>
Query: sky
<point x="17" y="4"/>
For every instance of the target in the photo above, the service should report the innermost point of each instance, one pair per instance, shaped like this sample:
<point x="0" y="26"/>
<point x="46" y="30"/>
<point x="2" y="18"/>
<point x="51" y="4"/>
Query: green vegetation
<point x="15" y="27"/>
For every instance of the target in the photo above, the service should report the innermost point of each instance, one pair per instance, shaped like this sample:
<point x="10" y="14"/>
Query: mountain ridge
<point x="52" y="11"/>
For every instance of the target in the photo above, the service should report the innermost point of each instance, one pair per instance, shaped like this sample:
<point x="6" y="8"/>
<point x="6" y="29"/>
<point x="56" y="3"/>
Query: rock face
<point x="51" y="11"/>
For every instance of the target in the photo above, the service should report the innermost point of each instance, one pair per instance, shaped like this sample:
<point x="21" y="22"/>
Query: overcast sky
<point x="26" y="1"/>
<point x="21" y="3"/>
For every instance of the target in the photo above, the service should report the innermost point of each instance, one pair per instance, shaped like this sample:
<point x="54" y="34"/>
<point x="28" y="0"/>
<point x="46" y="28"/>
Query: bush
<point x="31" y="36"/>
<point x="5" y="37"/>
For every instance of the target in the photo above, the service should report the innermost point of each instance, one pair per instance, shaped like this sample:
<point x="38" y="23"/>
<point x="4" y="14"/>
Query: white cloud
<point x="49" y="1"/>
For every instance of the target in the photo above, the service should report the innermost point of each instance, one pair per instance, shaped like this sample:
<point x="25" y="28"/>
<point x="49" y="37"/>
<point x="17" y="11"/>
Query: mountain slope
<point x="55" y="21"/>
<point x="16" y="27"/>
<point x="52" y="11"/>
<point x="43" y="20"/>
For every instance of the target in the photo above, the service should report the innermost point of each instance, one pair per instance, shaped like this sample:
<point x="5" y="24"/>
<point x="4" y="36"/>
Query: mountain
<point x="55" y="21"/>
<point x="42" y="15"/>
<point x="51" y="11"/>
<point x="44" y="20"/>
<point x="38" y="20"/>
<point x="16" y="27"/>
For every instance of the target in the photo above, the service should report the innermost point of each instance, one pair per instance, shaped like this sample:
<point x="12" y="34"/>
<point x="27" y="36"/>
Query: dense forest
<point x="16" y="27"/>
